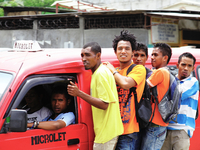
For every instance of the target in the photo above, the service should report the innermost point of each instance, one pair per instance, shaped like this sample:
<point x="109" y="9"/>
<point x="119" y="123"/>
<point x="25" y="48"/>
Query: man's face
<point x="185" y="67"/>
<point x="89" y="58"/>
<point x="124" y="51"/>
<point x="59" y="103"/>
<point x="139" y="57"/>
<point x="32" y="98"/>
<point x="156" y="58"/>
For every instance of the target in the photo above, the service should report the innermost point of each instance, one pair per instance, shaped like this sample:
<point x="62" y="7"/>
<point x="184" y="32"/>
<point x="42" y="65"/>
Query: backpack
<point x="143" y="108"/>
<point x="171" y="101"/>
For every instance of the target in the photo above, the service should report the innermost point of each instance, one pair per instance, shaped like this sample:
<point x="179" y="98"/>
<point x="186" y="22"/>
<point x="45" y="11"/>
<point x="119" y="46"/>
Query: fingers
<point x="106" y="63"/>
<point x="72" y="89"/>
<point x="72" y="83"/>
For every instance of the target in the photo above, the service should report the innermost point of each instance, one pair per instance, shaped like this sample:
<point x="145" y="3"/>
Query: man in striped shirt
<point x="179" y="134"/>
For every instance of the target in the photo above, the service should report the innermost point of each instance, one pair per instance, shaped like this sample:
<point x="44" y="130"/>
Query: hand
<point x="109" y="66"/>
<point x="72" y="89"/>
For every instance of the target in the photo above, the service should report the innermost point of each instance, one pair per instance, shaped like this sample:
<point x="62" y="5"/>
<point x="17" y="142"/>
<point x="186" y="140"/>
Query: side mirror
<point x="18" y="120"/>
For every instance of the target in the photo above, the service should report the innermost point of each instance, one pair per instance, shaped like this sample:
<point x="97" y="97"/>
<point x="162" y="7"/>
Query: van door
<point x="72" y="137"/>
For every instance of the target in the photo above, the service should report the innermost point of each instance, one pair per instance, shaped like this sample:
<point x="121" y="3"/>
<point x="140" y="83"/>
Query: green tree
<point x="7" y="3"/>
<point x="38" y="3"/>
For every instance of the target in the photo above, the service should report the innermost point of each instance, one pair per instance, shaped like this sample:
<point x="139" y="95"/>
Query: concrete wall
<point x="56" y="38"/>
<point x="105" y="36"/>
<point x="59" y="38"/>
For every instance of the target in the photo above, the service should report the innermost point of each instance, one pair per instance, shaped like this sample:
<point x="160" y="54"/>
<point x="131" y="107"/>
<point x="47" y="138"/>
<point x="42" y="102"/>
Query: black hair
<point x="125" y="36"/>
<point x="143" y="47"/>
<point x="95" y="47"/>
<point x="187" y="54"/>
<point x="61" y="89"/>
<point x="165" y="50"/>
<point x="38" y="89"/>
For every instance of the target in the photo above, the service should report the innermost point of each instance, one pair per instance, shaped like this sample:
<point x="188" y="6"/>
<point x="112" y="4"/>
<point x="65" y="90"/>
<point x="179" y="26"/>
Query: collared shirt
<point x="189" y="102"/>
<point x="68" y="118"/>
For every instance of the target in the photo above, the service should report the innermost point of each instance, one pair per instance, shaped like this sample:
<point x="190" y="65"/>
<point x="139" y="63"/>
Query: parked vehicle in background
<point x="22" y="69"/>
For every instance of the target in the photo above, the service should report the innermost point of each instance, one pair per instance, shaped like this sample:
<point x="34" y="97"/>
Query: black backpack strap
<point x="148" y="70"/>
<point x="155" y="96"/>
<point x="130" y="68"/>
<point x="132" y="89"/>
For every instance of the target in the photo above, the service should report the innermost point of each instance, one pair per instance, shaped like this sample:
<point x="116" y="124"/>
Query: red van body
<point x="22" y="70"/>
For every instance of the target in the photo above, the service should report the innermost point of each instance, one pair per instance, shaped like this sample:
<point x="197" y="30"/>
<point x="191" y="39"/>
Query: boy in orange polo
<point x="156" y="132"/>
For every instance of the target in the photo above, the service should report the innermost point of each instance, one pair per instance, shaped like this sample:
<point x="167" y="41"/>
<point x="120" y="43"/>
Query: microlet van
<point x="26" y="66"/>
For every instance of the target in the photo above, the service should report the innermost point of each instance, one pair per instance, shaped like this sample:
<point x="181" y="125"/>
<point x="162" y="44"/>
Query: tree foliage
<point x="38" y="3"/>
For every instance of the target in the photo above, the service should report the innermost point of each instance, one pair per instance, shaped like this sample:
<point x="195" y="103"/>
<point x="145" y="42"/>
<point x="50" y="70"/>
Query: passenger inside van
<point x="61" y="117"/>
<point x="36" y="110"/>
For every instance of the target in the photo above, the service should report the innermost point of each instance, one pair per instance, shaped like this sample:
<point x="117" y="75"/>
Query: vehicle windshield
<point x="5" y="80"/>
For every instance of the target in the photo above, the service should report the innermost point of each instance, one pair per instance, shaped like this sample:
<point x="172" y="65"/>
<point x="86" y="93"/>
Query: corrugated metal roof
<point x="175" y="15"/>
<point x="80" y="6"/>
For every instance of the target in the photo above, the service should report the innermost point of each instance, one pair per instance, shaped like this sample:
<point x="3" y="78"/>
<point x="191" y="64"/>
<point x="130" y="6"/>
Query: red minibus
<point x="26" y="66"/>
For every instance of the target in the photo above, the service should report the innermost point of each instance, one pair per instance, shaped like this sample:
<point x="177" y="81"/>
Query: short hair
<point x="61" y="89"/>
<point x="165" y="50"/>
<point x="143" y="47"/>
<point x="125" y="36"/>
<point x="38" y="89"/>
<point x="187" y="54"/>
<point x="95" y="47"/>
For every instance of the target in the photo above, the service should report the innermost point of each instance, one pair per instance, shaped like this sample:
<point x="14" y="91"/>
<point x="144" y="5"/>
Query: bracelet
<point x="115" y="72"/>
<point x="32" y="126"/>
<point x="35" y="124"/>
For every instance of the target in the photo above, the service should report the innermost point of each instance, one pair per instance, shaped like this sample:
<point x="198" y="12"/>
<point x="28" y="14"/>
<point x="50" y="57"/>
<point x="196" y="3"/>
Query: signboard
<point x="26" y="45"/>
<point x="164" y="30"/>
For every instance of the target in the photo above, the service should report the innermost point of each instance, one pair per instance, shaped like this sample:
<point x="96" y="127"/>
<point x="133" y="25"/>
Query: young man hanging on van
<point x="124" y="45"/>
<point x="104" y="99"/>
<point x="140" y="56"/>
<point x="179" y="134"/>
<point x="155" y="134"/>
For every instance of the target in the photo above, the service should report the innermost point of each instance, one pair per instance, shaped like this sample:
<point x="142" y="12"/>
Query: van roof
<point x="47" y="58"/>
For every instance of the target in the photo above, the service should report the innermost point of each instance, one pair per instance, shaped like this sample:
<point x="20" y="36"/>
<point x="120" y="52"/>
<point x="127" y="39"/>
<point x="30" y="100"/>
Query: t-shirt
<point x="107" y="123"/>
<point x="128" y="115"/>
<point x="68" y="118"/>
<point x="39" y="115"/>
<point x="189" y="102"/>
<point x="159" y="77"/>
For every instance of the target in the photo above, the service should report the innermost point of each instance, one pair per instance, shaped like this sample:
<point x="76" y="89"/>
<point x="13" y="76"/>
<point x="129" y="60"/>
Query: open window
<point x="46" y="84"/>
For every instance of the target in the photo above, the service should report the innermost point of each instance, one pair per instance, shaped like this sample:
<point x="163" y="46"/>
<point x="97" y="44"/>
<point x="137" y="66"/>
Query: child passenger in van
<point x="60" y="118"/>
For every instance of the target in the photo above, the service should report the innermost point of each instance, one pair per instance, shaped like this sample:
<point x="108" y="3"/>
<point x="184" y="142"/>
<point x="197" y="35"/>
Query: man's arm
<point x="73" y="90"/>
<point x="49" y="125"/>
<point x="123" y="81"/>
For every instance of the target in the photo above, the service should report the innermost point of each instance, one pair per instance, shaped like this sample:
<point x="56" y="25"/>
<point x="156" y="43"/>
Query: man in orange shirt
<point x="156" y="132"/>
<point x="124" y="45"/>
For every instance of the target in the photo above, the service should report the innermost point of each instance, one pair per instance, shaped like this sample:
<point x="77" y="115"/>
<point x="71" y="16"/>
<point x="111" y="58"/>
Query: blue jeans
<point x="126" y="142"/>
<point x="139" y="139"/>
<point x="154" y="138"/>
